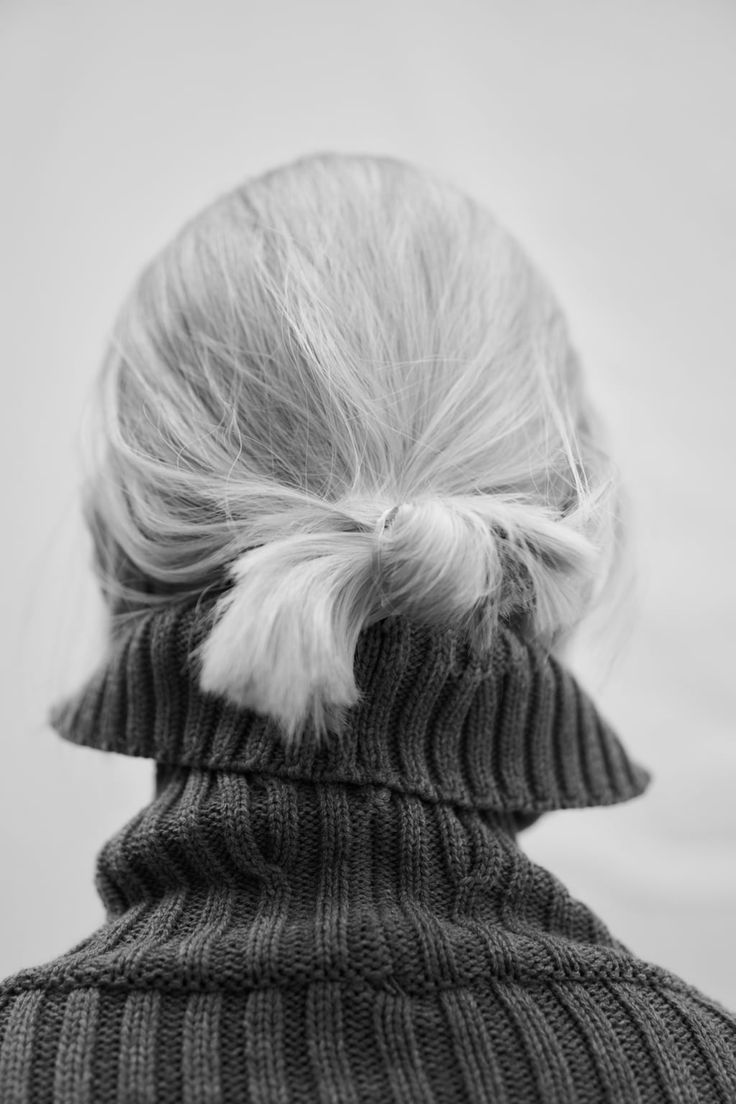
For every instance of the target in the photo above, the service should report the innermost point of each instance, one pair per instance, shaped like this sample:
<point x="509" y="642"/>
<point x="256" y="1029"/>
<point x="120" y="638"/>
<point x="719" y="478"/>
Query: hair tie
<point x="386" y="518"/>
<point x="383" y="523"/>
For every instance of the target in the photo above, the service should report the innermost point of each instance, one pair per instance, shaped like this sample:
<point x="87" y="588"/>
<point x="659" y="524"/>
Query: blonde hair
<point x="342" y="393"/>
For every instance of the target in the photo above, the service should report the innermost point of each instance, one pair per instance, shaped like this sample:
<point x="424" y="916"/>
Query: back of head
<point x="342" y="393"/>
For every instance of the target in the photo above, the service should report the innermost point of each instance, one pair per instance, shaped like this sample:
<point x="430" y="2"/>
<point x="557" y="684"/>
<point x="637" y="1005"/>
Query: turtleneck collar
<point x="514" y="733"/>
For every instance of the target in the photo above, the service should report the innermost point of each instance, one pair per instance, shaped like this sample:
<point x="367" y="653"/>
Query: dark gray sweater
<point x="354" y="923"/>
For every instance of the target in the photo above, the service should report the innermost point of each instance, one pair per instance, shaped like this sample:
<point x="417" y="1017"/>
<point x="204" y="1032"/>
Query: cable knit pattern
<point x="355" y="922"/>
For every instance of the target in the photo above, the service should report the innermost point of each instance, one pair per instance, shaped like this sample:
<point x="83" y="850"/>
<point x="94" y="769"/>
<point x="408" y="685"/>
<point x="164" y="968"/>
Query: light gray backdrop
<point x="603" y="135"/>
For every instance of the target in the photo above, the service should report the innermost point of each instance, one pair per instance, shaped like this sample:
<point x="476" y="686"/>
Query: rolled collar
<point x="511" y="733"/>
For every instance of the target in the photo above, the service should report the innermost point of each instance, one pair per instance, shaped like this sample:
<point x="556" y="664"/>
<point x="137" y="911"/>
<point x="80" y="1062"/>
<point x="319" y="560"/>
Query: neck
<point x="388" y="856"/>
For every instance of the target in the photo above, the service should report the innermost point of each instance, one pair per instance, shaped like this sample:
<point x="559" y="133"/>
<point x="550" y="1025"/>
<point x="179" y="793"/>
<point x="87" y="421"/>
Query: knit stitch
<point x="354" y="922"/>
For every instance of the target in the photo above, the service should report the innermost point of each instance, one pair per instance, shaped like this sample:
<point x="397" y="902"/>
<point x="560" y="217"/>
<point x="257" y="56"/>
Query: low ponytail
<point x="285" y="634"/>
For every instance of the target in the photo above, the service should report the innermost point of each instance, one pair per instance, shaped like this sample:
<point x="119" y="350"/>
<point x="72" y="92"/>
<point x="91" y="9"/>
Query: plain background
<point x="603" y="135"/>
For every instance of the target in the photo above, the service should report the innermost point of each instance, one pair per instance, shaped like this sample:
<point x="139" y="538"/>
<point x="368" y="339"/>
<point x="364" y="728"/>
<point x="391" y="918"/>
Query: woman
<point x="351" y="502"/>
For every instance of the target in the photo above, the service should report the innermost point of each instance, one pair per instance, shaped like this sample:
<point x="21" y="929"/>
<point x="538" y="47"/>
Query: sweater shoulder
<point x="514" y="1041"/>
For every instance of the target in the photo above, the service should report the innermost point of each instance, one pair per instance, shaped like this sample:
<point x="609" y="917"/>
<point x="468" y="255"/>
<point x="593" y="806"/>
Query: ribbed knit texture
<point x="355" y="922"/>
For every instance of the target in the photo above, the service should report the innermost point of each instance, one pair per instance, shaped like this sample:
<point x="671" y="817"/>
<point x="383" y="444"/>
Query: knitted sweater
<point x="354" y="922"/>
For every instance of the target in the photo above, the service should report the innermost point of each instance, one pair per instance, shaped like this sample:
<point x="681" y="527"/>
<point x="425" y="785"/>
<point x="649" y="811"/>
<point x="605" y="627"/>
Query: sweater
<point x="353" y="921"/>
